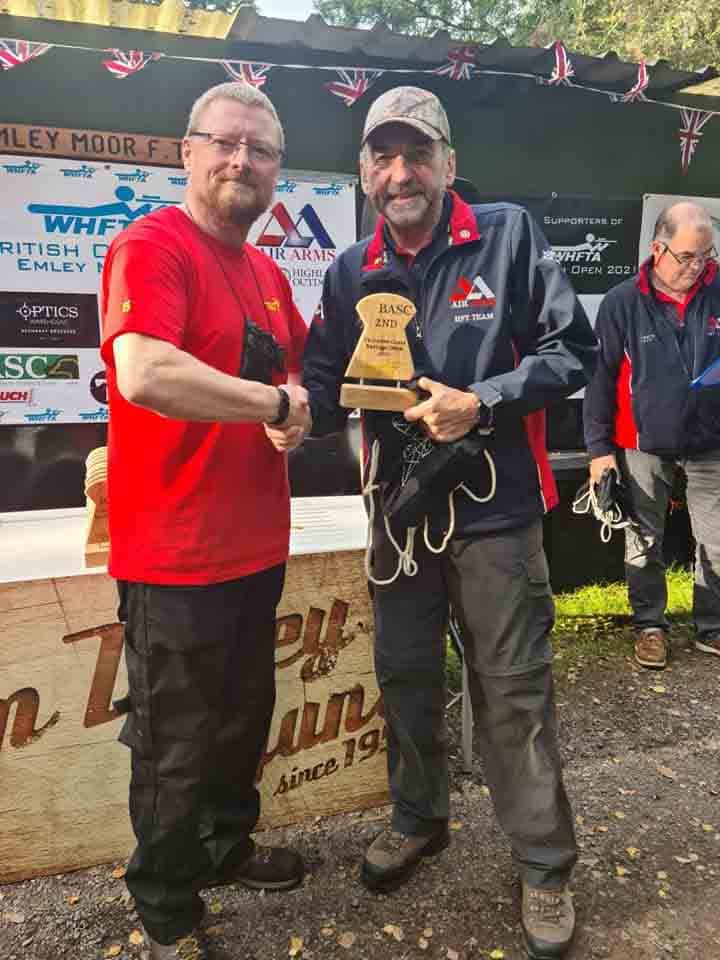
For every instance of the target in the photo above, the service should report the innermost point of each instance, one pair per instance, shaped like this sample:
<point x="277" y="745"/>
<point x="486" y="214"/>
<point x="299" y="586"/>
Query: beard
<point x="239" y="201"/>
<point x="408" y="209"/>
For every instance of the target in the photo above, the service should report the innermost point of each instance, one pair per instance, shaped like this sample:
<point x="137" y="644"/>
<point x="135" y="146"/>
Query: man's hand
<point x="291" y="434"/>
<point x="447" y="414"/>
<point x="598" y="466"/>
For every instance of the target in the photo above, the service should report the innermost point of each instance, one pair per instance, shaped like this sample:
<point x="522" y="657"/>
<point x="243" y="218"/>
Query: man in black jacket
<point x="497" y="336"/>
<point x="658" y="331"/>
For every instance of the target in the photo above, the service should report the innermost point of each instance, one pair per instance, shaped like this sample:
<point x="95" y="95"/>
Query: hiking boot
<point x="709" y="644"/>
<point x="652" y="648"/>
<point x="267" y="868"/>
<point x="193" y="946"/>
<point x="548" y="921"/>
<point x="391" y="858"/>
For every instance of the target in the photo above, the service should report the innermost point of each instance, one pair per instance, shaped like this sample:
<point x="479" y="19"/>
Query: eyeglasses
<point x="260" y="154"/>
<point x="420" y="156"/>
<point x="685" y="259"/>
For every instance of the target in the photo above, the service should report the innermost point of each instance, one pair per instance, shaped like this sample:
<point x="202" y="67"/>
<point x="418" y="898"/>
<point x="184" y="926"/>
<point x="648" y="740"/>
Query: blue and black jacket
<point x="640" y="396"/>
<point x="495" y="315"/>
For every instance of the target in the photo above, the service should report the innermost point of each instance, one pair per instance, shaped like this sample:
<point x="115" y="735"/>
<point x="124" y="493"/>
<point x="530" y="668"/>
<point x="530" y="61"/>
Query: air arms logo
<point x="39" y="366"/>
<point x="99" y="220"/>
<point x="303" y="239"/>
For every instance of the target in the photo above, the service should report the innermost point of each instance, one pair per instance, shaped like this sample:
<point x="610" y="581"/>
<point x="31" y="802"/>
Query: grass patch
<point x="594" y="622"/>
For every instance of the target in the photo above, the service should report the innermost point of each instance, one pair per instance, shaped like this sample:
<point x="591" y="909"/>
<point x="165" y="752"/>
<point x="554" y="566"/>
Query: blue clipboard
<point x="710" y="377"/>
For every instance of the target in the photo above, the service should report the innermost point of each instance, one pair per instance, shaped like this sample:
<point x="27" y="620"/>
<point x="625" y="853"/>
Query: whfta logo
<point x="302" y="239"/>
<point x="39" y="366"/>
<point x="590" y="251"/>
<point x="100" y="219"/>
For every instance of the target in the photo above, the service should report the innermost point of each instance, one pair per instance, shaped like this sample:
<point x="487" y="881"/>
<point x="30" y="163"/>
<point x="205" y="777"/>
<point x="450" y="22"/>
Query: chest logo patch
<point x="475" y="294"/>
<point x="272" y="305"/>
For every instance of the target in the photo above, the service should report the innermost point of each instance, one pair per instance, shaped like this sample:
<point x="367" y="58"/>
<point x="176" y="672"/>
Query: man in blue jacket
<point x="658" y="331"/>
<point x="497" y="336"/>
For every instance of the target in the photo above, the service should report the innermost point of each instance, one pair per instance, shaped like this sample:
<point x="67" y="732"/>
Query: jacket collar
<point x="462" y="228"/>
<point x="704" y="280"/>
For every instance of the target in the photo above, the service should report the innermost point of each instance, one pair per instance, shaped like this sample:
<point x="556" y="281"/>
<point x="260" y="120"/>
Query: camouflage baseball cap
<point x="410" y="105"/>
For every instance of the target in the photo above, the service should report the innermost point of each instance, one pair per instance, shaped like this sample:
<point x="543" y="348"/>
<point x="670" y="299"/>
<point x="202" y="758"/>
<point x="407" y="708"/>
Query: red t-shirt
<point x="190" y="502"/>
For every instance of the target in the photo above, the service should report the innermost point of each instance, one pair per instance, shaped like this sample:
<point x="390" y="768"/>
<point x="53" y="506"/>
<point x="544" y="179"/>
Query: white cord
<point x="609" y="519"/>
<point x="406" y="561"/>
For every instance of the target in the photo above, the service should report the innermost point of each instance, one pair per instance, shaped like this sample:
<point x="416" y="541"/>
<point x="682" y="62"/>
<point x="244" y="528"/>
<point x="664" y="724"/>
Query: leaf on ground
<point x="579" y="820"/>
<point x="295" y="947"/>
<point x="602" y="829"/>
<point x="347" y="939"/>
<point x="114" y="950"/>
<point x="427" y="932"/>
<point x="452" y="954"/>
<point x="658" y="688"/>
<point x="485" y="791"/>
<point x="497" y="954"/>
<point x="328" y="931"/>
<point x="632" y="852"/>
<point x="708" y="827"/>
<point x="662" y="875"/>
<point x="393" y="930"/>
<point x="136" y="938"/>
<point x="620" y="871"/>
<point x="666" y="772"/>
<point x="663" y="894"/>
<point x="215" y="907"/>
<point x="118" y="873"/>
<point x="690" y="858"/>
<point x="72" y="900"/>
<point x="619" y="815"/>
<point x="627" y="793"/>
<point x="423" y="943"/>
<point x="455" y="825"/>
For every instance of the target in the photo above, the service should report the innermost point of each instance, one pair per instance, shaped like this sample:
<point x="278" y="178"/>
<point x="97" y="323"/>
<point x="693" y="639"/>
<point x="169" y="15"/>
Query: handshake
<point x="297" y="424"/>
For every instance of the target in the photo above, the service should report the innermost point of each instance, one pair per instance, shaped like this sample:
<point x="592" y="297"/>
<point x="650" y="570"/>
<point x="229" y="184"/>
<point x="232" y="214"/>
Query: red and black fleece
<point x="495" y="315"/>
<point x="651" y="348"/>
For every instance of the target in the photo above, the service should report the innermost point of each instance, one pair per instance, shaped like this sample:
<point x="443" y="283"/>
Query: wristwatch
<point x="283" y="409"/>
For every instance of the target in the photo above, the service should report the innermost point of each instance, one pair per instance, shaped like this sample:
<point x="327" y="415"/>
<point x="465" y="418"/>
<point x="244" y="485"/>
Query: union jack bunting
<point x="637" y="92"/>
<point x="245" y="70"/>
<point x="352" y="84"/>
<point x="123" y="63"/>
<point x="690" y="132"/>
<point x="563" y="69"/>
<point x="15" y="52"/>
<point x="461" y="64"/>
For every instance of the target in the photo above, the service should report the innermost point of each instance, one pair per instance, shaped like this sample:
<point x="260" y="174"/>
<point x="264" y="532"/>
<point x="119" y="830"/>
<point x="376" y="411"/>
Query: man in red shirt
<point x="203" y="347"/>
<point x="659" y="331"/>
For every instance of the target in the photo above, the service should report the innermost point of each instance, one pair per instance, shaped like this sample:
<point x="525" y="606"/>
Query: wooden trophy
<point x="382" y="353"/>
<point x="97" y="540"/>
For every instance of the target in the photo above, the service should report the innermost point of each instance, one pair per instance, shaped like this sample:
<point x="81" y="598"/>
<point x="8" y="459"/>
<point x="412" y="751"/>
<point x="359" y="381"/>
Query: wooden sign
<point x="64" y="776"/>
<point x="89" y="144"/>
<point x="382" y="353"/>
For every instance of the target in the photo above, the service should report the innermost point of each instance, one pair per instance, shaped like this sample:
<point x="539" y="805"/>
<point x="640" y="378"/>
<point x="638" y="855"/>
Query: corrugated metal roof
<point x="381" y="47"/>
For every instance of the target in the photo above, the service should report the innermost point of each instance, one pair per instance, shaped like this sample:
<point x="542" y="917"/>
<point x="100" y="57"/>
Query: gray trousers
<point x="499" y="590"/>
<point x="649" y="480"/>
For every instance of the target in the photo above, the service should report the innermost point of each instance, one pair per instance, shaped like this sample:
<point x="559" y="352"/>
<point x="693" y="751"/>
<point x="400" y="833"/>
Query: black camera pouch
<point x="262" y="355"/>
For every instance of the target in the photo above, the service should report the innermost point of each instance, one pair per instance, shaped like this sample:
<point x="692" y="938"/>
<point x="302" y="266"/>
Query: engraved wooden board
<point x="64" y="777"/>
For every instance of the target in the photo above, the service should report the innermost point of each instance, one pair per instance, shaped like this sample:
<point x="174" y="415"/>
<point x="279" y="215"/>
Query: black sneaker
<point x="392" y="857"/>
<point x="267" y="868"/>
<point x="193" y="946"/>
<point x="548" y="921"/>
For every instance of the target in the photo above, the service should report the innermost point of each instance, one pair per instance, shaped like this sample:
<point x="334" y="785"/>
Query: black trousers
<point x="201" y="673"/>
<point x="499" y="589"/>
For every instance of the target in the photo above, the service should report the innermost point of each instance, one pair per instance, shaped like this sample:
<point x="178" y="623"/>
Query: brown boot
<point x="652" y="648"/>
<point x="267" y="868"/>
<point x="193" y="946"/>
<point x="548" y="921"/>
<point x="391" y="858"/>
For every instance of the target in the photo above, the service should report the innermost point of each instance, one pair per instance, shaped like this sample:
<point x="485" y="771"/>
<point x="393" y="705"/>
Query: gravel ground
<point x="642" y="752"/>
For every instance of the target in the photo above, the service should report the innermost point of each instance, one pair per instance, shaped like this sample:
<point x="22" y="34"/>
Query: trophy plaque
<point x="382" y="354"/>
<point x="97" y="538"/>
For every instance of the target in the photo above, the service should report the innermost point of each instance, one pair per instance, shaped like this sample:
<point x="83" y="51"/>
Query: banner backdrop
<point x="593" y="237"/>
<point x="57" y="220"/>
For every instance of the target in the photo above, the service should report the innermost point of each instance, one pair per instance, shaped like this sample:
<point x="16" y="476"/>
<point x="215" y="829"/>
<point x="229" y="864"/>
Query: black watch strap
<point x="283" y="409"/>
